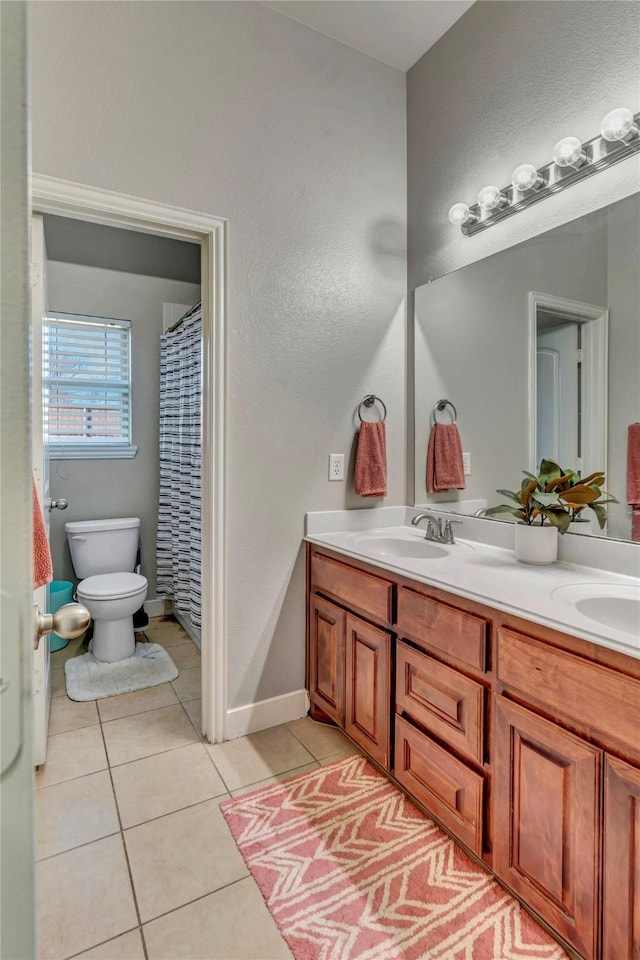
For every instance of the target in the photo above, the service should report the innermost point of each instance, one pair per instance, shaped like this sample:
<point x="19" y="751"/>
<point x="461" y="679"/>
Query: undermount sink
<point x="419" y="549"/>
<point x="616" y="605"/>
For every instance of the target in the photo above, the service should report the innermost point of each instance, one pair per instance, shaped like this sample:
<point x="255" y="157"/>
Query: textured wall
<point x="237" y="111"/>
<point x="501" y="88"/>
<point x="116" y="488"/>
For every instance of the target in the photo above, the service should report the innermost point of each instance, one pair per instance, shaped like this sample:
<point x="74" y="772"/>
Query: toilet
<point x="103" y="553"/>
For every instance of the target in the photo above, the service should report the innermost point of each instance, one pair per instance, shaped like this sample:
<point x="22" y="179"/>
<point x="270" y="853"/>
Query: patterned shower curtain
<point x="179" y="508"/>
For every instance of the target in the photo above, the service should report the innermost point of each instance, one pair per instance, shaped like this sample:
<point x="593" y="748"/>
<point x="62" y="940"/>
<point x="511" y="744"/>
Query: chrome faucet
<point x="437" y="531"/>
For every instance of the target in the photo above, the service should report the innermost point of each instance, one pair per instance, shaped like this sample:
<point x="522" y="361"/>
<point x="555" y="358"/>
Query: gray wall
<point x="234" y="110"/>
<point x="116" y="488"/>
<point x="499" y="89"/>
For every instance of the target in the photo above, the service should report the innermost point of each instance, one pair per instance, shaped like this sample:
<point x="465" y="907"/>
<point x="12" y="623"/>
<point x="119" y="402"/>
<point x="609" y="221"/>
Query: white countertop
<point x="492" y="575"/>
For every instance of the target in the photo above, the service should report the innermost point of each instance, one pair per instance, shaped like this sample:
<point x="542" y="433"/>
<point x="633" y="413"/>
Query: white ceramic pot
<point x="536" y="544"/>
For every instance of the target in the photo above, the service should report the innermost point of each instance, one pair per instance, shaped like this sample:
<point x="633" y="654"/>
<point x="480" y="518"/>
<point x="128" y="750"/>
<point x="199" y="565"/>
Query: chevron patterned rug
<point x="350" y="868"/>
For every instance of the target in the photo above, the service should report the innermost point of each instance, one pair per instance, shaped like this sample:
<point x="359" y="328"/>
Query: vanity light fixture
<point x="526" y="177"/>
<point x="573" y="161"/>
<point x="619" y="125"/>
<point x="491" y="198"/>
<point x="568" y="152"/>
<point x="460" y="213"/>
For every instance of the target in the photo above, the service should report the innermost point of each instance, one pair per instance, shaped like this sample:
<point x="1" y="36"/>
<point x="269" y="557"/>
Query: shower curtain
<point x="179" y="507"/>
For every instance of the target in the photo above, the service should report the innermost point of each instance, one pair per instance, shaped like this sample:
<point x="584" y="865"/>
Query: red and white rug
<point x="350" y="868"/>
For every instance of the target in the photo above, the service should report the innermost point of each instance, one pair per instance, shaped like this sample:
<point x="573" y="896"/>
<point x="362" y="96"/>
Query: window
<point x="87" y="376"/>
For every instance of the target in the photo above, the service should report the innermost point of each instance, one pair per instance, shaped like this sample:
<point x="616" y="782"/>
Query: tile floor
<point x="134" y="857"/>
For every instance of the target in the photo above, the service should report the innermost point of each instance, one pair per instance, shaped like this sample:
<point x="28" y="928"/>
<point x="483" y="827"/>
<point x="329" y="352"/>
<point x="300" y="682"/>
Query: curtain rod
<point x="189" y="313"/>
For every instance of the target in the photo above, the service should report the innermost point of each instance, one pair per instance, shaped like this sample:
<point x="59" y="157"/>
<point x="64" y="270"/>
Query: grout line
<point x="83" y="953"/>
<point x="124" y="845"/>
<point x="79" y="846"/>
<point x="203" y="896"/>
<point x="169" y="813"/>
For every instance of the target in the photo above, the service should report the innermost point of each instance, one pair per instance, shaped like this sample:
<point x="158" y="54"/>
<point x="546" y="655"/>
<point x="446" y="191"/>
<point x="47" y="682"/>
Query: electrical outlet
<point x="466" y="463"/>
<point x="336" y="466"/>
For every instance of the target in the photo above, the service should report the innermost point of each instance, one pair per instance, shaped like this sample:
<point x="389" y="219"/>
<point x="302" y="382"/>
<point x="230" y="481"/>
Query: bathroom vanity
<point x="520" y="737"/>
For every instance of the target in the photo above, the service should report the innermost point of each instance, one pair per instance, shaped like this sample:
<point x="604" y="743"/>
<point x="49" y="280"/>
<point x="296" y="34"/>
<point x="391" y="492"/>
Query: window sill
<point x="60" y="452"/>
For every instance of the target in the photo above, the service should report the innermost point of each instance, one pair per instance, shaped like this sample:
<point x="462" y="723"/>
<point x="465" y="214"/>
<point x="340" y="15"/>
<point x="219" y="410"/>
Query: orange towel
<point x="371" y="460"/>
<point x="633" y="477"/>
<point x="444" y="459"/>
<point x="42" y="566"/>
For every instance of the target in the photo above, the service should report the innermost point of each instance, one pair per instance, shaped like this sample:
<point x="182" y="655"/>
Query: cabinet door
<point x="326" y="657"/>
<point x="368" y="688"/>
<point x="546" y="838"/>
<point x="621" y="890"/>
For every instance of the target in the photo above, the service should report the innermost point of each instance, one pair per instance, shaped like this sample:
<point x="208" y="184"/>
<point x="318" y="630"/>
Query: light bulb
<point x="568" y="152"/>
<point x="526" y="177"/>
<point x="490" y="198"/>
<point x="460" y="213"/>
<point x="619" y="125"/>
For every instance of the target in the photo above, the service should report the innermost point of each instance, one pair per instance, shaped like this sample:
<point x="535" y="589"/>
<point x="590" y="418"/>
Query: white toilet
<point x="103" y="552"/>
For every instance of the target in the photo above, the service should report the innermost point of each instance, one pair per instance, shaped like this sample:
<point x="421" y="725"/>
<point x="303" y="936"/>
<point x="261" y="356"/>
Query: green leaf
<point x="545" y="499"/>
<point x="600" y="513"/>
<point x="509" y="495"/>
<point x="503" y="508"/>
<point x="531" y="476"/>
<point x="558" y="518"/>
<point x="549" y="470"/>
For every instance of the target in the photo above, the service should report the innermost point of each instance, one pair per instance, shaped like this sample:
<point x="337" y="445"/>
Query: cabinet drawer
<point x="460" y="634"/>
<point x="441" y="700"/>
<point x="356" y="588"/>
<point x="592" y="694"/>
<point x="441" y="783"/>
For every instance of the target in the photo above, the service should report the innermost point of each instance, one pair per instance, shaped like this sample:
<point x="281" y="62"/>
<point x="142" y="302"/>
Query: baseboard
<point x="154" y="608"/>
<point x="266" y="713"/>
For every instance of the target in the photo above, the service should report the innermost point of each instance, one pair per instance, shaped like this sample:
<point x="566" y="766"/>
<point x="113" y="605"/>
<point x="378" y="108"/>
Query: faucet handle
<point x="447" y="532"/>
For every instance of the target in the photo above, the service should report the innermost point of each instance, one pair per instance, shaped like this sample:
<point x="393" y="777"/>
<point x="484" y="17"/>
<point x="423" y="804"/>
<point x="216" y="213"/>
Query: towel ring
<point x="369" y="401"/>
<point x="440" y="406"/>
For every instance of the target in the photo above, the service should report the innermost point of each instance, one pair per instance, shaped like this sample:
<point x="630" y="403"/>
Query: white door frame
<point x="63" y="198"/>
<point x="595" y="333"/>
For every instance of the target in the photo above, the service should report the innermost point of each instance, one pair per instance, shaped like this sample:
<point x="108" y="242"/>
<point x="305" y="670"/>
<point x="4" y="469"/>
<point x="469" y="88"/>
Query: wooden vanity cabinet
<point x="521" y="741"/>
<point x="621" y="861"/>
<point x="367" y="688"/>
<point x="546" y="843"/>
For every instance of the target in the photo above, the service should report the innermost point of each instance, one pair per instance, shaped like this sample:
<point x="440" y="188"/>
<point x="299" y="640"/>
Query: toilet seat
<point x="106" y="586"/>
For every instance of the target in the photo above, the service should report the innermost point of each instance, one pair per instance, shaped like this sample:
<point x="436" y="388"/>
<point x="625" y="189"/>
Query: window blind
<point x="87" y="381"/>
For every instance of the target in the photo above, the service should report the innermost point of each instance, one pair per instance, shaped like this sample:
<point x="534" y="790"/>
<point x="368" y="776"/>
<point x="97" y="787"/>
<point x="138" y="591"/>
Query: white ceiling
<point x="397" y="32"/>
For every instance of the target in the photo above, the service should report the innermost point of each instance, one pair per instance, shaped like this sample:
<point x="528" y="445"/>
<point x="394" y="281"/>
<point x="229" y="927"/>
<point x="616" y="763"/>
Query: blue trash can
<point x="60" y="592"/>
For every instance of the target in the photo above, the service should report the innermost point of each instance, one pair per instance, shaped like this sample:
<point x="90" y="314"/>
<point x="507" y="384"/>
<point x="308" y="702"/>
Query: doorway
<point x="64" y="199"/>
<point x="567" y="383"/>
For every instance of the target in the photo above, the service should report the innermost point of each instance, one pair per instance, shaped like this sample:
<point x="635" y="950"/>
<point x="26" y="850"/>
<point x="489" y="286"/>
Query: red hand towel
<point x="371" y="460"/>
<point x="42" y="566"/>
<point x="633" y="477"/>
<point x="444" y="459"/>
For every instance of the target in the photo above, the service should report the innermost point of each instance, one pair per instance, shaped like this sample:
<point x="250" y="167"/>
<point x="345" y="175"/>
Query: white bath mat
<point x="91" y="679"/>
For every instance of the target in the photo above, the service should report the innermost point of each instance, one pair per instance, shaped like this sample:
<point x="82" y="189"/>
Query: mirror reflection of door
<point x="569" y="410"/>
<point x="558" y="419"/>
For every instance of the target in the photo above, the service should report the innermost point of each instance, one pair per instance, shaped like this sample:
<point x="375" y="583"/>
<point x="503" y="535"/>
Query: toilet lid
<point x="106" y="585"/>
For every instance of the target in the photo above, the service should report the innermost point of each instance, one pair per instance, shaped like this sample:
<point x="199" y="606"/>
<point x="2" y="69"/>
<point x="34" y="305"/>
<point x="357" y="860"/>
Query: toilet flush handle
<point x="78" y="536"/>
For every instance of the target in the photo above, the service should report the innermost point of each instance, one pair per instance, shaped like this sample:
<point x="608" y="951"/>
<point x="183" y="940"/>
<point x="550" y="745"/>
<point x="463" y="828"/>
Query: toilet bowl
<point x="112" y="599"/>
<point x="103" y="552"/>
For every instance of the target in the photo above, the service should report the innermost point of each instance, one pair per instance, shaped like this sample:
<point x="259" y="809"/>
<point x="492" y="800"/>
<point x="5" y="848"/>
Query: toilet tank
<point x="103" y="546"/>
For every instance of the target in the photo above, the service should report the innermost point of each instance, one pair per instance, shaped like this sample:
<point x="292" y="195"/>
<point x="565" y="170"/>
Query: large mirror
<point x="538" y="350"/>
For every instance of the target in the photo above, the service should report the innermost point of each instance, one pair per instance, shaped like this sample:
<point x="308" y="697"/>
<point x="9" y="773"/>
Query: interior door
<point x="16" y="633"/>
<point x="557" y="395"/>
<point x="40" y="464"/>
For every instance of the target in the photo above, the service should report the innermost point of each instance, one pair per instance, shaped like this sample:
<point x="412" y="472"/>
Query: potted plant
<point x="546" y="505"/>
